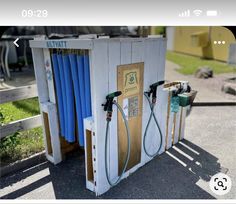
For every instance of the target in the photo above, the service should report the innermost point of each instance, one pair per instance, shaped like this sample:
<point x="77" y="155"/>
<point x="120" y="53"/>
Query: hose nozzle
<point x="153" y="90"/>
<point x="155" y="85"/>
<point x="108" y="105"/>
<point x="113" y="95"/>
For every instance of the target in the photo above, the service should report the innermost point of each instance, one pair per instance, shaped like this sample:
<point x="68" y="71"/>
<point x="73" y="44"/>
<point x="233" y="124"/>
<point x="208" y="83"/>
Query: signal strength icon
<point x="185" y="13"/>
<point x="197" y="12"/>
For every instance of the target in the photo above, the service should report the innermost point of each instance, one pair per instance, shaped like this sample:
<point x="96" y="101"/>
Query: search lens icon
<point x="220" y="183"/>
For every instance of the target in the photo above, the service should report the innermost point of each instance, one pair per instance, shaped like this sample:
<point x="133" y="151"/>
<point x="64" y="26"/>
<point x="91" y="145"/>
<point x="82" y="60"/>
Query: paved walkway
<point x="209" y="90"/>
<point x="181" y="173"/>
<point x="23" y="78"/>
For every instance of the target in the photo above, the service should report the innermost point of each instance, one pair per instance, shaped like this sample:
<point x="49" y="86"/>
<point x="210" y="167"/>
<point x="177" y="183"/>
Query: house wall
<point x="182" y="41"/>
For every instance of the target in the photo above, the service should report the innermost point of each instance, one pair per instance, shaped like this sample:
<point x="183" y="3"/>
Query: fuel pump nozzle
<point x="153" y="90"/>
<point x="151" y="103"/>
<point x="108" y="105"/>
<point x="108" y="108"/>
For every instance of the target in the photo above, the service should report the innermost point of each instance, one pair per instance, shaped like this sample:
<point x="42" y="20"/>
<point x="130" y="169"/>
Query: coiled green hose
<point x="128" y="148"/>
<point x="157" y="124"/>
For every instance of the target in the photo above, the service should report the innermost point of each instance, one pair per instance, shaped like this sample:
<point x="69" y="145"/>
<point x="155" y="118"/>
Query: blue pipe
<point x="70" y="123"/>
<point x="75" y="79"/>
<point x="59" y="97"/>
<point x="63" y="85"/>
<point x="87" y="86"/>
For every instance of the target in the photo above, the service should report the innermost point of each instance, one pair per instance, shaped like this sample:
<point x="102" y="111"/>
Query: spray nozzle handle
<point x="113" y="95"/>
<point x="153" y="90"/>
<point x="110" y="97"/>
<point x="155" y="85"/>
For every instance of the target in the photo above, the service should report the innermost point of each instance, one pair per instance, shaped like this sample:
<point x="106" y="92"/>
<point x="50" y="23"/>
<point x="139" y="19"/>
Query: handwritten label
<point x="57" y="44"/>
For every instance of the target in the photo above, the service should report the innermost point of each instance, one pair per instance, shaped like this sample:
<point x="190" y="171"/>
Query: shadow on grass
<point x="29" y="105"/>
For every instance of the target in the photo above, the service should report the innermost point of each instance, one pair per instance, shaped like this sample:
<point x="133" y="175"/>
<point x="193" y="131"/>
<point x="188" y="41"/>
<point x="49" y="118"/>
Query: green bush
<point x="20" y="144"/>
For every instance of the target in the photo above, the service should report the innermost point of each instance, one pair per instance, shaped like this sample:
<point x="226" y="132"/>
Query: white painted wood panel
<point x="150" y="77"/>
<point x="99" y="84"/>
<point x="20" y="125"/>
<point x="54" y="131"/>
<point x="170" y="128"/>
<point x="184" y="113"/>
<point x="163" y="122"/>
<point x="63" y="44"/>
<point x="114" y="57"/>
<point x="51" y="110"/>
<point x="161" y="97"/>
<point x="49" y="73"/>
<point x="40" y="74"/>
<point x="177" y="124"/>
<point x="125" y="52"/>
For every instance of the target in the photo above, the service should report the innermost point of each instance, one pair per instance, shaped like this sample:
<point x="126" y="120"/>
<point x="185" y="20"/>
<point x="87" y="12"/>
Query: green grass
<point x="189" y="64"/>
<point x="160" y="30"/>
<point x="20" y="144"/>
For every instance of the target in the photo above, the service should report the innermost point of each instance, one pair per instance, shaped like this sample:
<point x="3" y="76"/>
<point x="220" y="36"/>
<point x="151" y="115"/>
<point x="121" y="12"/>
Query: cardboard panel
<point x="130" y="82"/>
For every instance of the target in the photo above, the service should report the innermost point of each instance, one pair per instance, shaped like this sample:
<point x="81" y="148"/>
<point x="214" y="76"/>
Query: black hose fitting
<point x="108" y="105"/>
<point x="153" y="90"/>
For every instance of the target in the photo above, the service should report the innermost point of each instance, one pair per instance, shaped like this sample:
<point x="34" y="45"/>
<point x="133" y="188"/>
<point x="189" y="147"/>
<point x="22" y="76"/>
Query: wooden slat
<point x="40" y="75"/>
<point x="99" y="90"/>
<point x="20" y="93"/>
<point x="114" y="61"/>
<point x="20" y="125"/>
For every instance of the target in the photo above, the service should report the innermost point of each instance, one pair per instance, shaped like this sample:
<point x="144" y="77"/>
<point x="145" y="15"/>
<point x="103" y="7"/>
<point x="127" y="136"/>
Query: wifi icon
<point x="197" y="12"/>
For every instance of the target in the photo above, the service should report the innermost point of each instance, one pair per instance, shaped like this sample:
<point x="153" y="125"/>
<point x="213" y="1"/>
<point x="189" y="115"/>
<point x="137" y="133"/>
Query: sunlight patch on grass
<point x="20" y="145"/>
<point x="189" y="64"/>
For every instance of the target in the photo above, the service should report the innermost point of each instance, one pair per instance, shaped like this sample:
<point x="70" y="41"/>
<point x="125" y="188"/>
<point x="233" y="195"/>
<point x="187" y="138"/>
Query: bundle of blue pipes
<point x="72" y="83"/>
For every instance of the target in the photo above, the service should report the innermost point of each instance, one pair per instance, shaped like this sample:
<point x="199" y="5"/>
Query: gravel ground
<point x="183" y="172"/>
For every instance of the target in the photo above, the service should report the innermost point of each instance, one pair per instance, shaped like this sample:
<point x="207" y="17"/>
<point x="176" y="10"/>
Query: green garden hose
<point x="152" y="114"/>
<point x="128" y="146"/>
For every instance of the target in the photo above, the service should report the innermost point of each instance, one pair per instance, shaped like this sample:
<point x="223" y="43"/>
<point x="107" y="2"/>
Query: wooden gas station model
<point x="75" y="77"/>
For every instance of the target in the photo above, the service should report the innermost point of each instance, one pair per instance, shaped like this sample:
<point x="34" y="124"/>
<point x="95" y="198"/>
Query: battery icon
<point x="212" y="13"/>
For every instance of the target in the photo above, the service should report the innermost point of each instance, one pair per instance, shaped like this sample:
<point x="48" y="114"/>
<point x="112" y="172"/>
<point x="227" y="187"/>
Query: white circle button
<point x="220" y="184"/>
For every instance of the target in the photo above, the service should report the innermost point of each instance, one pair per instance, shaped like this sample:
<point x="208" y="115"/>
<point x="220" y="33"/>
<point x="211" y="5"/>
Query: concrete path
<point x="23" y="78"/>
<point x="181" y="173"/>
<point x="209" y="90"/>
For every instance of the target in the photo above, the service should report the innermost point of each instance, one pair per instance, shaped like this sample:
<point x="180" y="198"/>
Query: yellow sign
<point x="131" y="82"/>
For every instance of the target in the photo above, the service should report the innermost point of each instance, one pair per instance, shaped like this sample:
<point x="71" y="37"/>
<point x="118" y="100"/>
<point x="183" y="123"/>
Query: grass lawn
<point x="21" y="144"/>
<point x="189" y="64"/>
